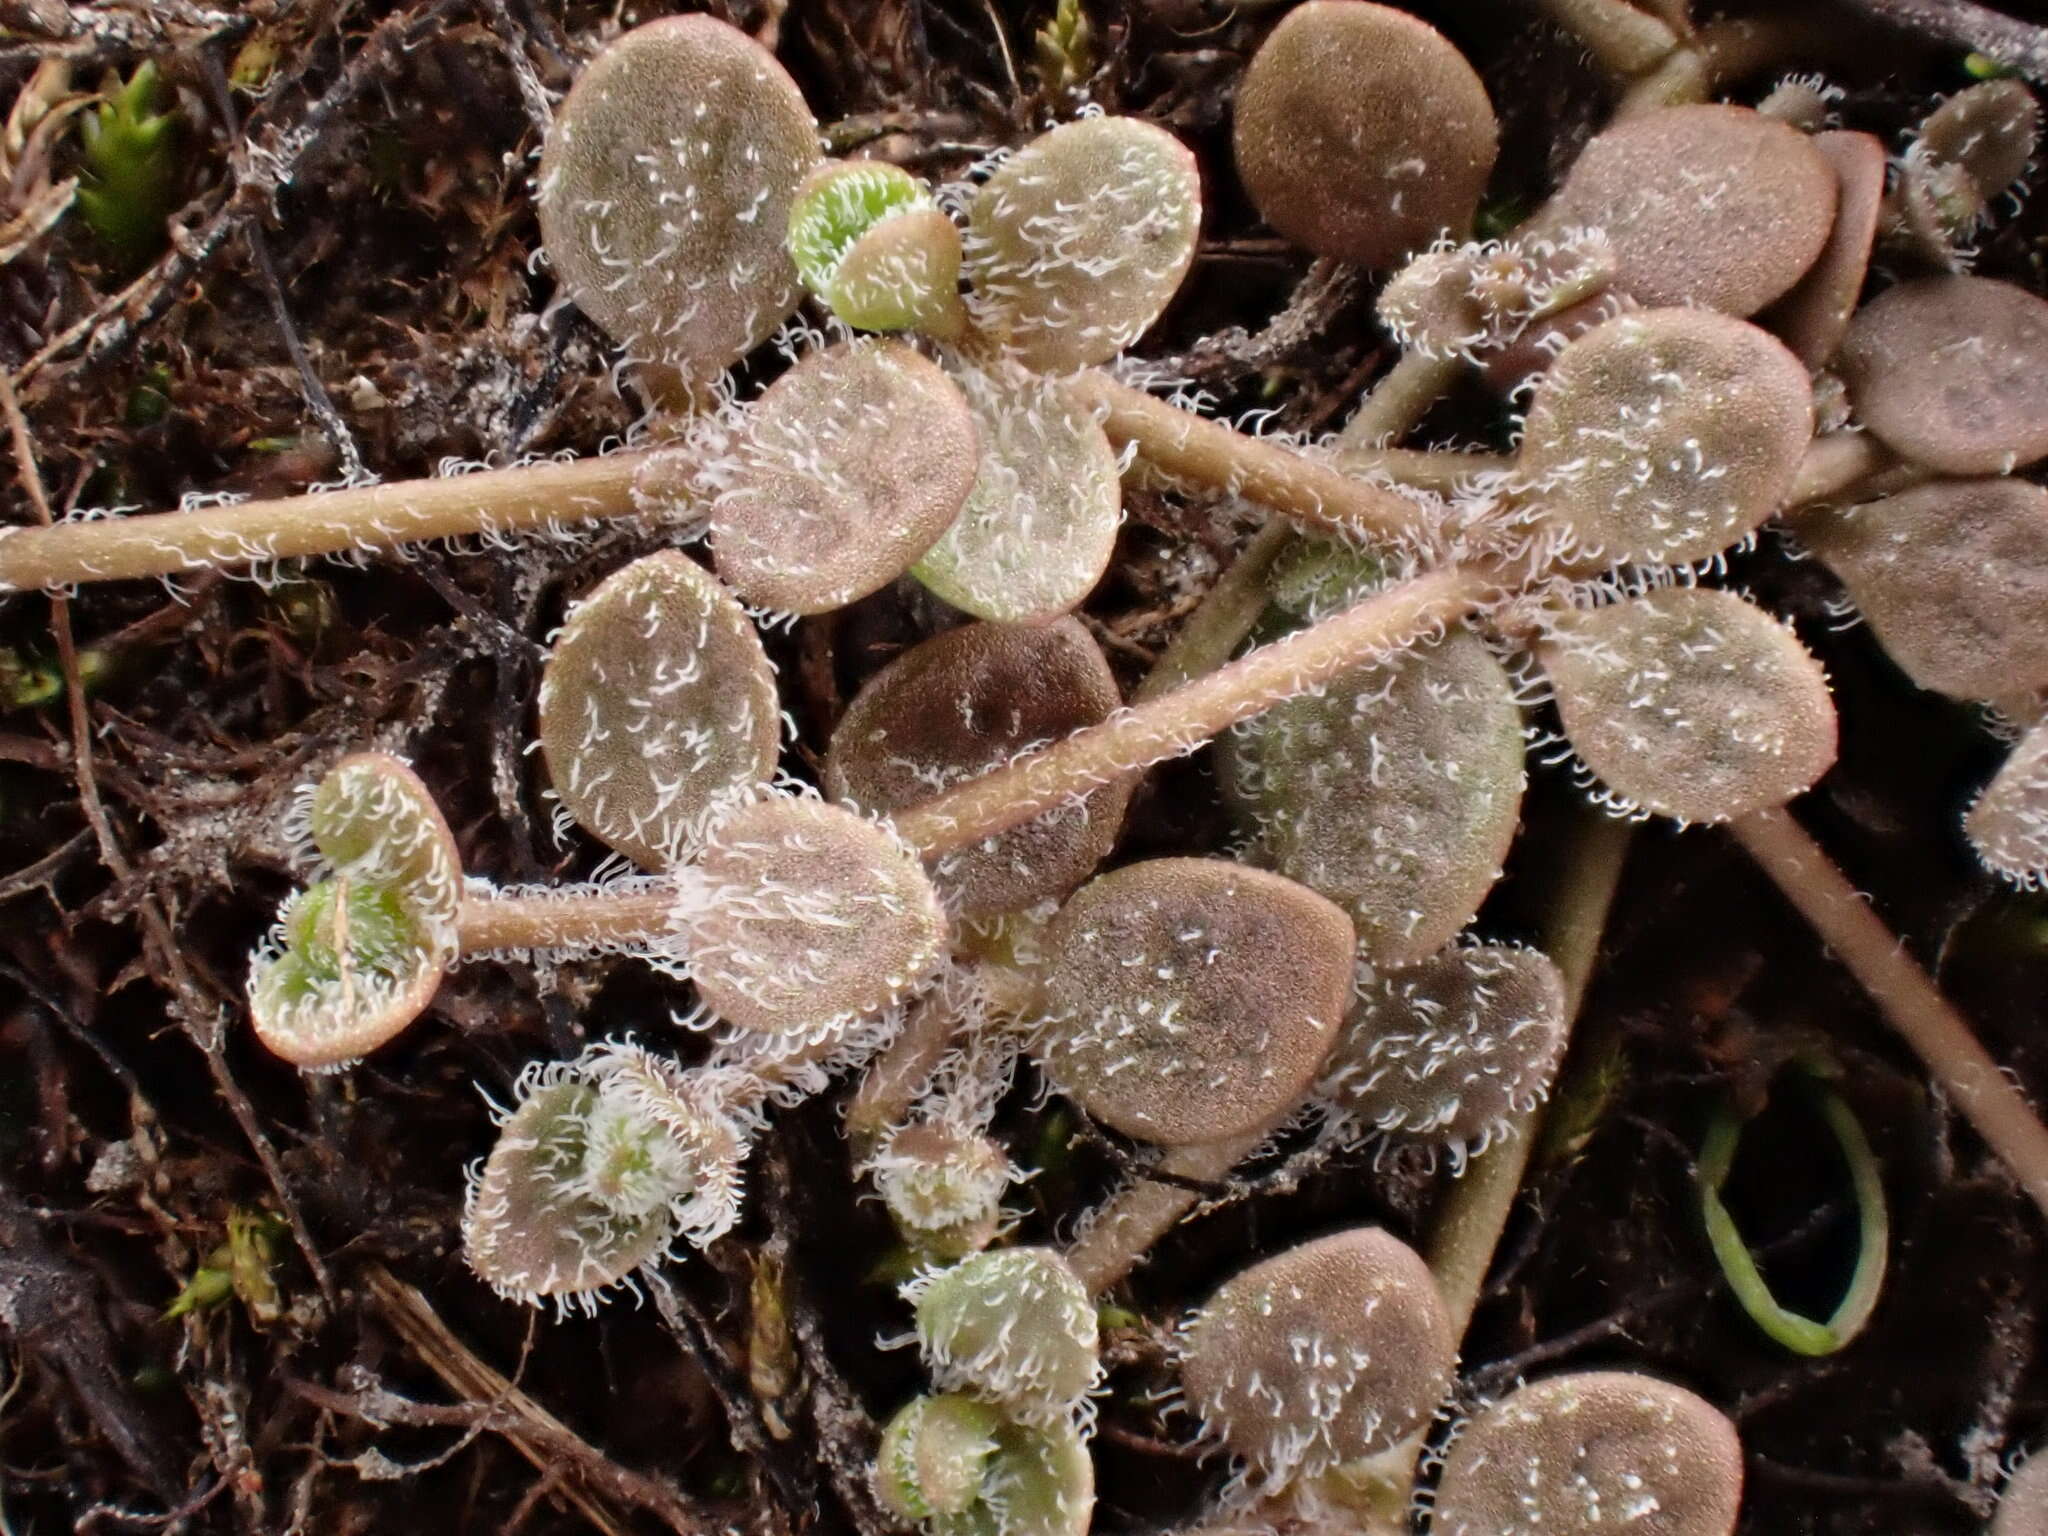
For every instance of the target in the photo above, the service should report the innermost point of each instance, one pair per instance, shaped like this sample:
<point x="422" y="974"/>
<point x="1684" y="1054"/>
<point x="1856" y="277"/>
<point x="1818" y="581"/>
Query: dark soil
<point x="403" y="320"/>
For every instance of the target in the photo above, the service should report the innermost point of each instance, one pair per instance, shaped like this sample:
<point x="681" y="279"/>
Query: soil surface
<point x="349" y="278"/>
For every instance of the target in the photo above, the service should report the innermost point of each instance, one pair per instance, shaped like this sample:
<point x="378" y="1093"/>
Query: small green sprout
<point x="130" y="185"/>
<point x="869" y="241"/>
<point x="240" y="1266"/>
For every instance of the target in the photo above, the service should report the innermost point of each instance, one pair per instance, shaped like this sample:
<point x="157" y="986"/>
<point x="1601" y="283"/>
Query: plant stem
<point x="1903" y="991"/>
<point x="1208" y="453"/>
<point x="1476" y="1210"/>
<point x="1627" y="42"/>
<point x="484" y="924"/>
<point x="1400" y="399"/>
<point x="895" y="1076"/>
<point x="1178" y="722"/>
<point x="1222" y="619"/>
<point x="372" y="517"/>
<point x="1124" y="1228"/>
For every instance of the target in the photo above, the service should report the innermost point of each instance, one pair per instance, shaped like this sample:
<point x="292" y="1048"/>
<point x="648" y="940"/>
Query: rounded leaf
<point x="1039" y="525"/>
<point x="1953" y="578"/>
<point x="657" y="706"/>
<point x="1664" y="436"/>
<point x="1952" y="372"/>
<point x="665" y="187"/>
<point x="2008" y="826"/>
<point x="1714" y="206"/>
<point x="2023" y="1502"/>
<point x="1361" y="133"/>
<point x="1079" y="240"/>
<point x="1691" y="703"/>
<point x="1395" y="793"/>
<point x="1191" y="1000"/>
<point x="357" y="955"/>
<point x="1013" y="1327"/>
<point x="1587" y="1454"/>
<point x="1334" y="1350"/>
<point x="1454" y="1052"/>
<point x="962" y="703"/>
<point x="802" y="917"/>
<point x="1814" y="317"/>
<point x="850" y="467"/>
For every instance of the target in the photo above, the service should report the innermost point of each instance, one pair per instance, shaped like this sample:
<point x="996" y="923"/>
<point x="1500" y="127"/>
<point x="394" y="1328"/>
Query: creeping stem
<point x="1176" y="723"/>
<point x="324" y="523"/>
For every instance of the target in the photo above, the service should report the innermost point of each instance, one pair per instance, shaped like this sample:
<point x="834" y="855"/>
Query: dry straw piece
<point x="1395" y="793"/>
<point x="848" y="469"/>
<point x="1191" y="1000"/>
<point x="1952" y="372"/>
<point x="1590" y="1453"/>
<point x="665" y="187"/>
<point x="1714" y="206"/>
<point x="1691" y="703"/>
<point x="658" y="705"/>
<point x="1329" y="1352"/>
<point x="1077" y="242"/>
<point x="1953" y="579"/>
<point x="965" y="701"/>
<point x="359" y="953"/>
<point x="1664" y="436"/>
<point x="1361" y="133"/>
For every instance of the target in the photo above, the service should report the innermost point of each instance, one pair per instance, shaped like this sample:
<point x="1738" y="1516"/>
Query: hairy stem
<point x="1124" y="1228"/>
<point x="1176" y="723"/>
<point x="1627" y="42"/>
<point x="499" y="501"/>
<point x="1193" y="448"/>
<point x="895" y="1077"/>
<point x="1904" y="992"/>
<point x="484" y="924"/>
<point x="1400" y="399"/>
<point x="1476" y="1210"/>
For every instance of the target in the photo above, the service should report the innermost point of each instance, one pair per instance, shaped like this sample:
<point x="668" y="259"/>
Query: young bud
<point x="954" y="1465"/>
<point x="358" y="954"/>
<point x="1012" y="1327"/>
<point x="869" y="242"/>
<point x="2008" y="826"/>
<point x="943" y="1188"/>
